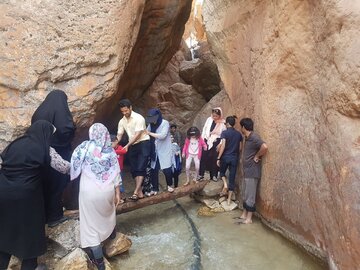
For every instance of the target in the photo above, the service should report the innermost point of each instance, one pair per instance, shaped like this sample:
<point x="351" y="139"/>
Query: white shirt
<point x="131" y="125"/>
<point x="194" y="146"/>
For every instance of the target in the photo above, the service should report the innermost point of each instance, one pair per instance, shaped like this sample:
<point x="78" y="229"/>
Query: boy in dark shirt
<point x="228" y="156"/>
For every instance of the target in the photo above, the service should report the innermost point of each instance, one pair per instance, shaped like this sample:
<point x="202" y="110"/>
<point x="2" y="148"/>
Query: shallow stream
<point x="171" y="235"/>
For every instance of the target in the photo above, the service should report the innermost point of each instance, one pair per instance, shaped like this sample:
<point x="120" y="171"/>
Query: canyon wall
<point x="294" y="67"/>
<point x="96" y="51"/>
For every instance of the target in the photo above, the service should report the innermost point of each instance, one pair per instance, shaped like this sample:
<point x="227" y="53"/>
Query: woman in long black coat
<point x="22" y="215"/>
<point x="55" y="109"/>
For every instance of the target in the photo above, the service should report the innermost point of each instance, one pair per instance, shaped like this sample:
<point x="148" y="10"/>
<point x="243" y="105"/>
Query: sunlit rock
<point x="66" y="234"/>
<point x="116" y="246"/>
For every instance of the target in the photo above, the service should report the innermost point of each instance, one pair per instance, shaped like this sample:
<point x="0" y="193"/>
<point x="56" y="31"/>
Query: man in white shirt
<point x="138" y="146"/>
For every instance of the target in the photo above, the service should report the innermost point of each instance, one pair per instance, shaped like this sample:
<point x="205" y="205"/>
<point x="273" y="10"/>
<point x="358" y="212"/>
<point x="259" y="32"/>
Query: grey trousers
<point x="249" y="195"/>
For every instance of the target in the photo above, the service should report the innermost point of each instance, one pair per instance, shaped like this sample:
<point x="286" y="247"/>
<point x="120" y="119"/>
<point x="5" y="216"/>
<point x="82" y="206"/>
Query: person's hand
<point x="147" y="132"/>
<point x="256" y="159"/>
<point x="183" y="155"/>
<point x="126" y="147"/>
<point x="117" y="199"/>
<point x="218" y="163"/>
<point x="218" y="147"/>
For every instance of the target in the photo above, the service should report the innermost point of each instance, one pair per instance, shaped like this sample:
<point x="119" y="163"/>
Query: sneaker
<point x="148" y="194"/>
<point x="200" y="178"/>
<point x="170" y="189"/>
<point x="214" y="178"/>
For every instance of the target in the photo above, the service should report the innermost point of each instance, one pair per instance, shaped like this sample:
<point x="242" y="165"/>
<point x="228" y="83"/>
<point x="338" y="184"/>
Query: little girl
<point x="192" y="150"/>
<point x="176" y="161"/>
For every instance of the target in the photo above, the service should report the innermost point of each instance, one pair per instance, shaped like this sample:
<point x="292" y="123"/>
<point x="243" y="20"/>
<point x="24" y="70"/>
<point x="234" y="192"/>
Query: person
<point x="192" y="150"/>
<point x="176" y="134"/>
<point x="176" y="161"/>
<point x="161" y="153"/>
<point x="228" y="156"/>
<point x="22" y="214"/>
<point x="120" y="153"/>
<point x="138" y="146"/>
<point x="211" y="133"/>
<point x="99" y="195"/>
<point x="55" y="109"/>
<point x="254" y="149"/>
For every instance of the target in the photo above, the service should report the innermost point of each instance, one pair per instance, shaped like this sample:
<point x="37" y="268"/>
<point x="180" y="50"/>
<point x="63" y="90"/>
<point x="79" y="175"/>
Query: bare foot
<point x="187" y="183"/>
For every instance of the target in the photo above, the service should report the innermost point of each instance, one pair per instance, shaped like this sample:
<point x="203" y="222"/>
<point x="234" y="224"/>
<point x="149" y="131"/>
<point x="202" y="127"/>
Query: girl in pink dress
<point x="192" y="151"/>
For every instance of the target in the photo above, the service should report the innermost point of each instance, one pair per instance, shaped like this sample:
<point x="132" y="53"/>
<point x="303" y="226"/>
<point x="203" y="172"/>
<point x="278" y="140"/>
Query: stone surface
<point x="66" y="234"/>
<point x="229" y="207"/>
<point x="187" y="69"/>
<point x="93" y="51"/>
<point x="211" y="203"/>
<point x="78" y="260"/>
<point x="116" y="246"/>
<point x="178" y="102"/>
<point x="294" y="67"/>
<point x="212" y="189"/>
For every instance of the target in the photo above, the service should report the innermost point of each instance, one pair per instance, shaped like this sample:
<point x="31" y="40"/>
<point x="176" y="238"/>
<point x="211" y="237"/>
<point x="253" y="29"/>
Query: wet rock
<point x="78" y="260"/>
<point x="116" y="246"/>
<point x="299" y="81"/>
<point x="66" y="234"/>
<point x="211" y="203"/>
<point x="205" y="211"/>
<point x="230" y="207"/>
<point x="212" y="189"/>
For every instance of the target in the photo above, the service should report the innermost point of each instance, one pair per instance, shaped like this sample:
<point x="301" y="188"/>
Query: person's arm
<point x="58" y="163"/>
<point x="120" y="131"/>
<point x="186" y="144"/>
<point x="221" y="151"/>
<point x="262" y="151"/>
<point x="162" y="133"/>
<point x="117" y="196"/>
<point x="134" y="139"/>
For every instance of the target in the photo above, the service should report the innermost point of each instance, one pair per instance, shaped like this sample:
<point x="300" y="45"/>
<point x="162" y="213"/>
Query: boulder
<point x="78" y="260"/>
<point x="187" y="69"/>
<point x="229" y="207"/>
<point x="116" y="246"/>
<point x="212" y="189"/>
<point x="66" y="234"/>
<point x="298" y="79"/>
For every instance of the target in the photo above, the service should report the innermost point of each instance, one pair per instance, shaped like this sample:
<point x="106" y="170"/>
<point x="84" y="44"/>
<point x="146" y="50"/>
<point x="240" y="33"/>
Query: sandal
<point x="134" y="197"/>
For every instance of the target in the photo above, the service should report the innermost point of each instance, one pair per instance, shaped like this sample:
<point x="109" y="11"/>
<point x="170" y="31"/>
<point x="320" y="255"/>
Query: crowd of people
<point x="37" y="166"/>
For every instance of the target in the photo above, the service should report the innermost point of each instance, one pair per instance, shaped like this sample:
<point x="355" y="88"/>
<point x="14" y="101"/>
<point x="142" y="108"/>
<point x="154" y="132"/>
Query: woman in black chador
<point x="55" y="109"/>
<point x="22" y="215"/>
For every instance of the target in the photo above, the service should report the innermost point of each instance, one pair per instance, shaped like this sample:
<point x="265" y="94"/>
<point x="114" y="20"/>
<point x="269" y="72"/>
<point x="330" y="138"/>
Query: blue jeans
<point x="231" y="164"/>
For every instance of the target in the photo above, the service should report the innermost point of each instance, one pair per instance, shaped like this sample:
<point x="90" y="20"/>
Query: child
<point x="192" y="150"/>
<point x="120" y="152"/>
<point x="96" y="161"/>
<point x="176" y="161"/>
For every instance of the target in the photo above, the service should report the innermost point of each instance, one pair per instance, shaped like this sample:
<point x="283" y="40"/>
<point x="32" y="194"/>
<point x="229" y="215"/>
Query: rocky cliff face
<point x="294" y="67"/>
<point x="96" y="51"/>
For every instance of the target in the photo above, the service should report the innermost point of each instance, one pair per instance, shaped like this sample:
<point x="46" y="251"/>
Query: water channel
<point x="171" y="235"/>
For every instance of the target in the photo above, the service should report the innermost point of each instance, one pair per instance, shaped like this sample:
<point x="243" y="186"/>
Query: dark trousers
<point x="27" y="264"/>
<point x="138" y="156"/>
<point x="175" y="176"/>
<point x="155" y="176"/>
<point x="208" y="162"/>
<point x="231" y="164"/>
<point x="54" y="186"/>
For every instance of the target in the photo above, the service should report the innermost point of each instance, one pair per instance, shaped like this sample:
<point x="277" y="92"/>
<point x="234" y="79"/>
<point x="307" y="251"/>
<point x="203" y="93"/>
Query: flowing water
<point x="171" y="235"/>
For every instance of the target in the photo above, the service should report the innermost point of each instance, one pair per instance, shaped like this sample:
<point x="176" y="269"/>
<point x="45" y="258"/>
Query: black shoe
<point x="52" y="224"/>
<point x="100" y="264"/>
<point x="200" y="178"/>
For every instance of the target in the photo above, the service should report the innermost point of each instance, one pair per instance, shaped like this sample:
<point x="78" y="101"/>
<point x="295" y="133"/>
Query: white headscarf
<point x="96" y="156"/>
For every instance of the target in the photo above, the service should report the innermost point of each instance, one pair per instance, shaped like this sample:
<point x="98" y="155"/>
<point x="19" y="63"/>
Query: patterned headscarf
<point x="96" y="156"/>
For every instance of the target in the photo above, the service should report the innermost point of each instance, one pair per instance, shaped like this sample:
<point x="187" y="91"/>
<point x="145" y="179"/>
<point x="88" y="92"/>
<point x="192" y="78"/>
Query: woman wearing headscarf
<point x="22" y="218"/>
<point x="214" y="126"/>
<point x="55" y="109"/>
<point x="161" y="152"/>
<point x="100" y="180"/>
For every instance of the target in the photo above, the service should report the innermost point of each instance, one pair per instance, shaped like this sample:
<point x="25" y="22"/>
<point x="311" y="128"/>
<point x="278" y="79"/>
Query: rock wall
<point x="96" y="51"/>
<point x="294" y="67"/>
